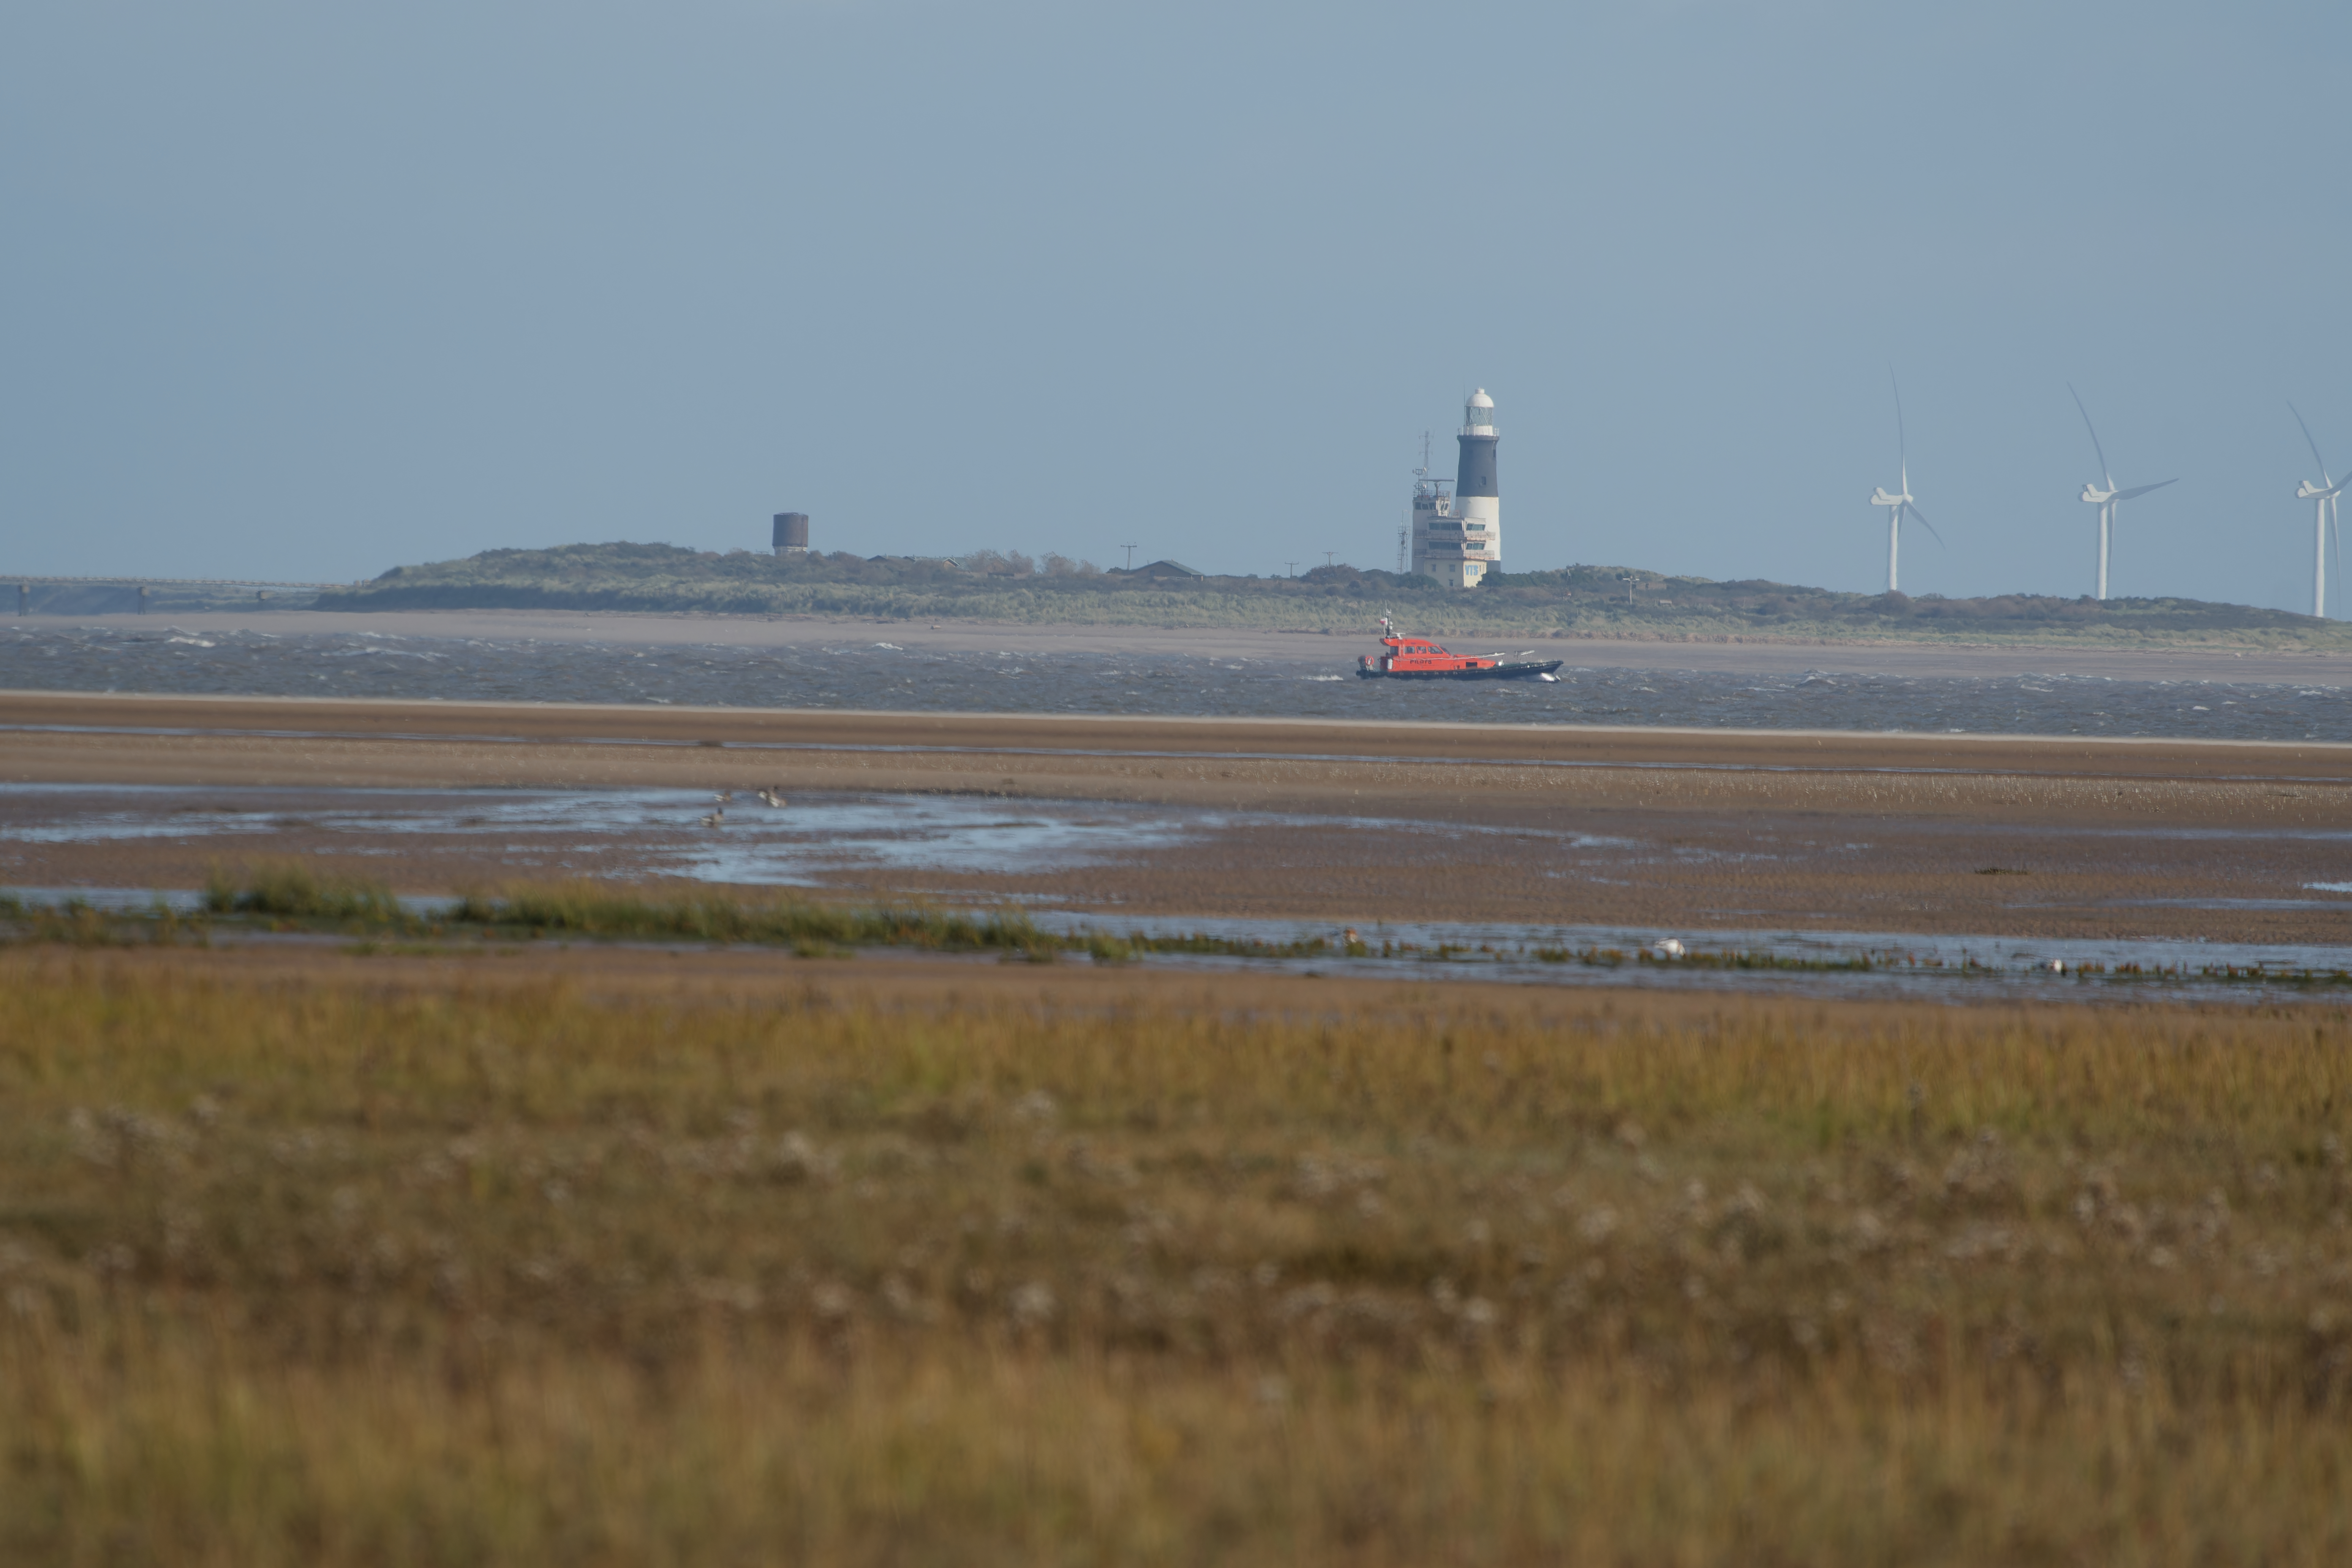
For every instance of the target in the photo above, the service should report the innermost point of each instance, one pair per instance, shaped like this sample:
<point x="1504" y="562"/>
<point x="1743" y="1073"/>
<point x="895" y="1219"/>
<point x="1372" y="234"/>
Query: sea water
<point x="844" y="671"/>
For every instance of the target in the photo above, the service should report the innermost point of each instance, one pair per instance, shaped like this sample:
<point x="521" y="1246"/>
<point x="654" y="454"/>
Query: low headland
<point x="1575" y="601"/>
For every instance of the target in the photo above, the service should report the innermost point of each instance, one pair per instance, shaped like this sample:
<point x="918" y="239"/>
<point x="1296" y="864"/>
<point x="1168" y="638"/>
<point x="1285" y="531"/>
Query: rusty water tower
<point x="791" y="533"/>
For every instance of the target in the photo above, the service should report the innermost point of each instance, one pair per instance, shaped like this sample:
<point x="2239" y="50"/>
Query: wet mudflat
<point x="1608" y="876"/>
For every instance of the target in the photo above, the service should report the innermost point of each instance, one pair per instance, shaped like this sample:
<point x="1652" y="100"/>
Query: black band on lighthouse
<point x="1475" y="476"/>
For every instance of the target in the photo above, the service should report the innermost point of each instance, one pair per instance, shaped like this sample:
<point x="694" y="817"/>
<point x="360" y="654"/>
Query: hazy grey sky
<point x="315" y="289"/>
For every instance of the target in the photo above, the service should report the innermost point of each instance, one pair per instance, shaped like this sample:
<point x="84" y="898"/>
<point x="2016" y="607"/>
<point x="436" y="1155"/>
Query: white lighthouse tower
<point x="1458" y="538"/>
<point x="1476" y="502"/>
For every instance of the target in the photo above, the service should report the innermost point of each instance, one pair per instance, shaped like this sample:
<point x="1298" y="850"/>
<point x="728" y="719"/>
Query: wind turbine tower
<point x="1899" y="505"/>
<point x="2106" y="500"/>
<point x="2326" y="493"/>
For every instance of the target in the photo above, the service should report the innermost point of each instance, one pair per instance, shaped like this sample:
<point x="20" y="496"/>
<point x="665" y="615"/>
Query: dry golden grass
<point x="392" y="1260"/>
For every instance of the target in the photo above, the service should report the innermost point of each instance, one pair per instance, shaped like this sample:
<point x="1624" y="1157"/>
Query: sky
<point x="309" y="290"/>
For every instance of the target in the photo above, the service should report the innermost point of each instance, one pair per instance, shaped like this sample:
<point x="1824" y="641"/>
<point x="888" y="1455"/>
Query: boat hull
<point x="1494" y="672"/>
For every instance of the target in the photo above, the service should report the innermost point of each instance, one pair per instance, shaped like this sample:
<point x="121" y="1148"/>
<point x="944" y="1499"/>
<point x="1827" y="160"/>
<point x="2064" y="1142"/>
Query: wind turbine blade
<point x="2144" y="489"/>
<point x="2104" y="472"/>
<point x="1921" y="519"/>
<point x="2325" y="481"/>
<point x="1902" y="447"/>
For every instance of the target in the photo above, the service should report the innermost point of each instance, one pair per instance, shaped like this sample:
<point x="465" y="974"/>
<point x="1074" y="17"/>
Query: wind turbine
<point x="2107" y="499"/>
<point x="1900" y="503"/>
<point x="2326" y="493"/>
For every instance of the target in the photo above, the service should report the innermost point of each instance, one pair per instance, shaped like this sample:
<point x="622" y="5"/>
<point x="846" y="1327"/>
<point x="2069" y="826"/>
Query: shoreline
<point x="82" y="719"/>
<point x="1747" y="653"/>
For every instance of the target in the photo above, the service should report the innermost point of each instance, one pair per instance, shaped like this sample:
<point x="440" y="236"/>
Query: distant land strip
<point x="1008" y="588"/>
<point x="1574" y="601"/>
<point x="1571" y="603"/>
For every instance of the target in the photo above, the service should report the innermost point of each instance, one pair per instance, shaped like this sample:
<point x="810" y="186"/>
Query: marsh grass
<point x="292" y="894"/>
<point x="295" y="888"/>
<point x="601" y="910"/>
<point x="75" y="923"/>
<point x="393" y="1264"/>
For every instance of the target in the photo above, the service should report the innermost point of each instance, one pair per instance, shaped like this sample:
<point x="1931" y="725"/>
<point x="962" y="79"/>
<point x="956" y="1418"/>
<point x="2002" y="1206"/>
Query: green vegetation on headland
<point x="1573" y="601"/>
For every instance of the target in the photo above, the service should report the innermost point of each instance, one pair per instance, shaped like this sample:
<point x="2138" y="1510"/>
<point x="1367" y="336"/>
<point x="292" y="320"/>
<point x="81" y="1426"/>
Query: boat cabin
<point x="1419" y="656"/>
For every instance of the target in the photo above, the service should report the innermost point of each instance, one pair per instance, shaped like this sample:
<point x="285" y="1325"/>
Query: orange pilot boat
<point x="1419" y="659"/>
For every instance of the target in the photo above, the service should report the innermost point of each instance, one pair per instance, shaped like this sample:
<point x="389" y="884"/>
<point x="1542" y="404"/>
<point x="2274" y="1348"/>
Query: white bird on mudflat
<point x="723" y="795"/>
<point x="772" y="798"/>
<point x="1670" y="948"/>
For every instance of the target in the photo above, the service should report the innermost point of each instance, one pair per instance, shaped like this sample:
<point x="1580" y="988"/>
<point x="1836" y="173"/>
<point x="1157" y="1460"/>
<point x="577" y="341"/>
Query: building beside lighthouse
<point x="1457" y="539"/>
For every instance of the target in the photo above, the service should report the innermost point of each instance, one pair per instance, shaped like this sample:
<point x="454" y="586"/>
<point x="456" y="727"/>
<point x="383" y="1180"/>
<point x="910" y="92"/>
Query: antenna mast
<point x="1420" y="487"/>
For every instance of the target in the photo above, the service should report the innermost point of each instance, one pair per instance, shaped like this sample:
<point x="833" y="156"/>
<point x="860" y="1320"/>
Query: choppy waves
<point x="869" y="674"/>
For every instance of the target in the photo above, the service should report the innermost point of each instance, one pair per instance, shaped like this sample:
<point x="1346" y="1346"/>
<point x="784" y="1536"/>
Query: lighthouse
<point x="1475" y="501"/>
<point x="1458" y="538"/>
